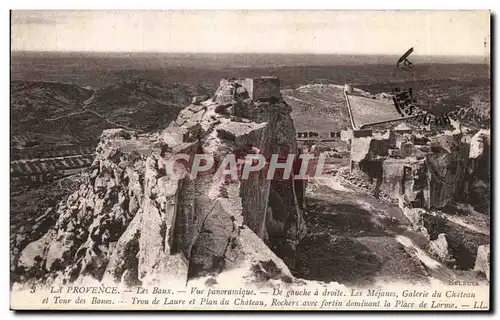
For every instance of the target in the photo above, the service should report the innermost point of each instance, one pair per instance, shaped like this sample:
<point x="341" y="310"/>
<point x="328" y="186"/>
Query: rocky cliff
<point x="131" y="222"/>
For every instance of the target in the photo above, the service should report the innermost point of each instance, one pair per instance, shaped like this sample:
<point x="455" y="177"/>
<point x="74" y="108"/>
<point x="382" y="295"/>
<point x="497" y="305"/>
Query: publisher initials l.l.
<point x="480" y="305"/>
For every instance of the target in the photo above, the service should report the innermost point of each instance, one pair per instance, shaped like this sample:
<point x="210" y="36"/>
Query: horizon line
<point x="247" y="52"/>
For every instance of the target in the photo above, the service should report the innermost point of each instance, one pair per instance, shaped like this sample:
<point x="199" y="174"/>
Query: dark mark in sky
<point x="404" y="59"/>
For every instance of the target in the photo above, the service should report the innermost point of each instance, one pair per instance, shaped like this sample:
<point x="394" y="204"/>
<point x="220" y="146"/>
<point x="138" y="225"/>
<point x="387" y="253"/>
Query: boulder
<point x="439" y="247"/>
<point x="241" y="133"/>
<point x="173" y="136"/>
<point x="415" y="215"/>
<point x="199" y="99"/>
<point x="36" y="252"/>
<point x="115" y="134"/>
<point x="183" y="116"/>
<point x="483" y="260"/>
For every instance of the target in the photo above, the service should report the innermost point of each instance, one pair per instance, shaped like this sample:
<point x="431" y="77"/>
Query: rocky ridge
<point x="132" y="223"/>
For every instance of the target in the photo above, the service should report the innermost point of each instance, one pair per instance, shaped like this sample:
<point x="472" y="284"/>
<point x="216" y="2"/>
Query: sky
<point x="323" y="32"/>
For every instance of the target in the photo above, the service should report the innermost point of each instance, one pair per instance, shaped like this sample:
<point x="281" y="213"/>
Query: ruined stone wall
<point x="424" y="173"/>
<point x="406" y="179"/>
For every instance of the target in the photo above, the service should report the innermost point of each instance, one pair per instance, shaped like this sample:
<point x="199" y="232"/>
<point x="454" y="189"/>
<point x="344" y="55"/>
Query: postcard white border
<point x="191" y="4"/>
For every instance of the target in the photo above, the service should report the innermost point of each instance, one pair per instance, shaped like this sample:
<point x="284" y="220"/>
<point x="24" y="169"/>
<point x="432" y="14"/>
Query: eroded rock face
<point x="477" y="182"/>
<point x="447" y="165"/>
<point x="132" y="221"/>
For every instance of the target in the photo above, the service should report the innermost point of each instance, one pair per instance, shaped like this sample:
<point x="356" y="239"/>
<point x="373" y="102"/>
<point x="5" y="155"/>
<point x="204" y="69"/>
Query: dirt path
<point x="355" y="239"/>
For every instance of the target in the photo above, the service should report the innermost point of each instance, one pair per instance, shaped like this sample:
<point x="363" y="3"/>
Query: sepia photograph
<point x="250" y="160"/>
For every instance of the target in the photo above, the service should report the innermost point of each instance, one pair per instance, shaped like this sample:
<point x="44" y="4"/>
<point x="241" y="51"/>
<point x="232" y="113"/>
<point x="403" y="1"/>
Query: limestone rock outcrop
<point x="439" y="248"/>
<point x="132" y="221"/>
<point x="447" y="164"/>
<point x="477" y="182"/>
<point x="483" y="260"/>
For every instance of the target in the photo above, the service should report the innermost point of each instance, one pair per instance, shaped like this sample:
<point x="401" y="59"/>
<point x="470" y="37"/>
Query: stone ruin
<point x="131" y="223"/>
<point x="424" y="174"/>
<point x="427" y="171"/>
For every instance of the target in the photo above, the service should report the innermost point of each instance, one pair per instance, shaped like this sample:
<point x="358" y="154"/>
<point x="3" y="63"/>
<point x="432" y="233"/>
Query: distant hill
<point x="33" y="102"/>
<point x="143" y="104"/>
<point x="476" y="115"/>
<point x="56" y="113"/>
<point x="102" y="69"/>
<point x="322" y="107"/>
<point x="52" y="113"/>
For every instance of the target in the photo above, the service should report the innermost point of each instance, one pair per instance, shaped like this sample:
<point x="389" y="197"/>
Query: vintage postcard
<point x="250" y="160"/>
